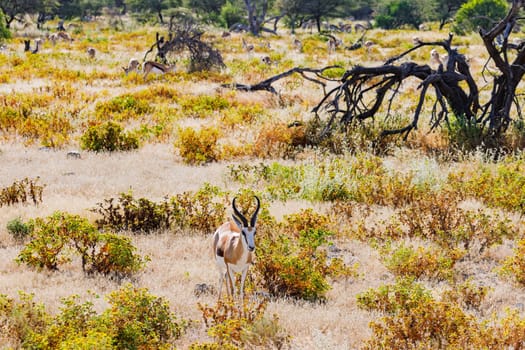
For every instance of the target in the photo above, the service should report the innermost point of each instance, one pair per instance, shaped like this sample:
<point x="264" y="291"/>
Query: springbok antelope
<point x="297" y="44"/>
<point x="266" y="60"/>
<point x="247" y="46"/>
<point x="91" y="52"/>
<point x="434" y="57"/>
<point x="38" y="44"/>
<point x="233" y="246"/>
<point x="333" y="43"/>
<point x="60" y="35"/>
<point x="156" y="68"/>
<point x="368" y="45"/>
<point x="133" y="65"/>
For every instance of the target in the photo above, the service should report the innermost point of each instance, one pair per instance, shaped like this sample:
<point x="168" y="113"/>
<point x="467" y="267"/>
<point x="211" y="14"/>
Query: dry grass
<point x="179" y="262"/>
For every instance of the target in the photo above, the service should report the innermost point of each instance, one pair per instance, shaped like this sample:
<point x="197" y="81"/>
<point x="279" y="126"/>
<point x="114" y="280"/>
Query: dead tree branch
<point x="266" y="85"/>
<point x="186" y="37"/>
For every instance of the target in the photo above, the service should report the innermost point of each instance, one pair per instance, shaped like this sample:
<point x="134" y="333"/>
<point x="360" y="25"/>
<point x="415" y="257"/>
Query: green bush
<point x="139" y="320"/>
<point x="407" y="261"/>
<point x="135" y="319"/>
<point x="115" y="255"/>
<point x="502" y="186"/>
<point x="57" y="237"/>
<point x="202" y="211"/>
<point x="465" y="134"/>
<point x="231" y="14"/>
<point x="202" y="106"/>
<point x="19" y="229"/>
<point x="21" y="319"/>
<point x="122" y="108"/>
<point x="479" y="13"/>
<point x="396" y="13"/>
<point x="414" y="319"/>
<point x="438" y="217"/>
<point x="4" y="32"/>
<point x="108" y="137"/>
<point x="514" y="265"/>
<point x="298" y="267"/>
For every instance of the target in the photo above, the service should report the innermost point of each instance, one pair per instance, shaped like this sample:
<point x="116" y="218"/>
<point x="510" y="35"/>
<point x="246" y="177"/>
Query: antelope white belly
<point x="156" y="70"/>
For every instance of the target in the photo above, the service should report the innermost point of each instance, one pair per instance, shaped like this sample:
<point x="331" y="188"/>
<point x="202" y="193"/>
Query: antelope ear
<point x="237" y="222"/>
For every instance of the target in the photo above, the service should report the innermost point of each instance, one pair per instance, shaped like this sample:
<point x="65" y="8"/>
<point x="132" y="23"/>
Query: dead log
<point x="266" y="85"/>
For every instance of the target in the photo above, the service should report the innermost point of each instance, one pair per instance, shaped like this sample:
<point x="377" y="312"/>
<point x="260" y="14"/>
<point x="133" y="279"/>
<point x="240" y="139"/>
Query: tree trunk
<point x="252" y="18"/>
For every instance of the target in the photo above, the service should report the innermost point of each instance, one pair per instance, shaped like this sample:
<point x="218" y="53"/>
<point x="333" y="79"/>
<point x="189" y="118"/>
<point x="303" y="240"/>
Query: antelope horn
<point x="254" y="217"/>
<point x="239" y="215"/>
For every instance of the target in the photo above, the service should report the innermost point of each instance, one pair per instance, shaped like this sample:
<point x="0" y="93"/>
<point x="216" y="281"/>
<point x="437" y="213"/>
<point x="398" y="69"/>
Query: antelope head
<point x="247" y="229"/>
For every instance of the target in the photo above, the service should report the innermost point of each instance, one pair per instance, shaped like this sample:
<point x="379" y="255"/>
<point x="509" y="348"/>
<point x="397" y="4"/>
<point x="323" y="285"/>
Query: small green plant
<point x="407" y="261"/>
<point x="18" y="229"/>
<point x="198" y="146"/>
<point x="108" y="137"/>
<point x="122" y="108"/>
<point x="21" y="192"/>
<point x="203" y="106"/>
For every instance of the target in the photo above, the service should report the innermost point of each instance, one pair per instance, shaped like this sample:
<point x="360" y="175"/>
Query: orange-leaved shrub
<point x="241" y="326"/>
<point x="414" y="319"/>
<point x="198" y="146"/>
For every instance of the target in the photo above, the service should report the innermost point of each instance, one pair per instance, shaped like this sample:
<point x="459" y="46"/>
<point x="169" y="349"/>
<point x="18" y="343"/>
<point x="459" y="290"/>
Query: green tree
<point x="479" y="13"/>
<point x="15" y="9"/>
<point x="79" y="8"/>
<point x="395" y="13"/>
<point x="293" y="10"/>
<point x="446" y="9"/>
<point x="231" y="14"/>
<point x="206" y="6"/>
<point x="319" y="9"/>
<point x="152" y="6"/>
<point x="4" y="32"/>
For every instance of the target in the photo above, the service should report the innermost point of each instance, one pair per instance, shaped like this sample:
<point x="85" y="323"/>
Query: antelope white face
<point x="247" y="230"/>
<point x="248" y="234"/>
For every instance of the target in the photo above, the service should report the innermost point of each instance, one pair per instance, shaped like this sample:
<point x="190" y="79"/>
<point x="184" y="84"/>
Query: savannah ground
<point x="61" y="84"/>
